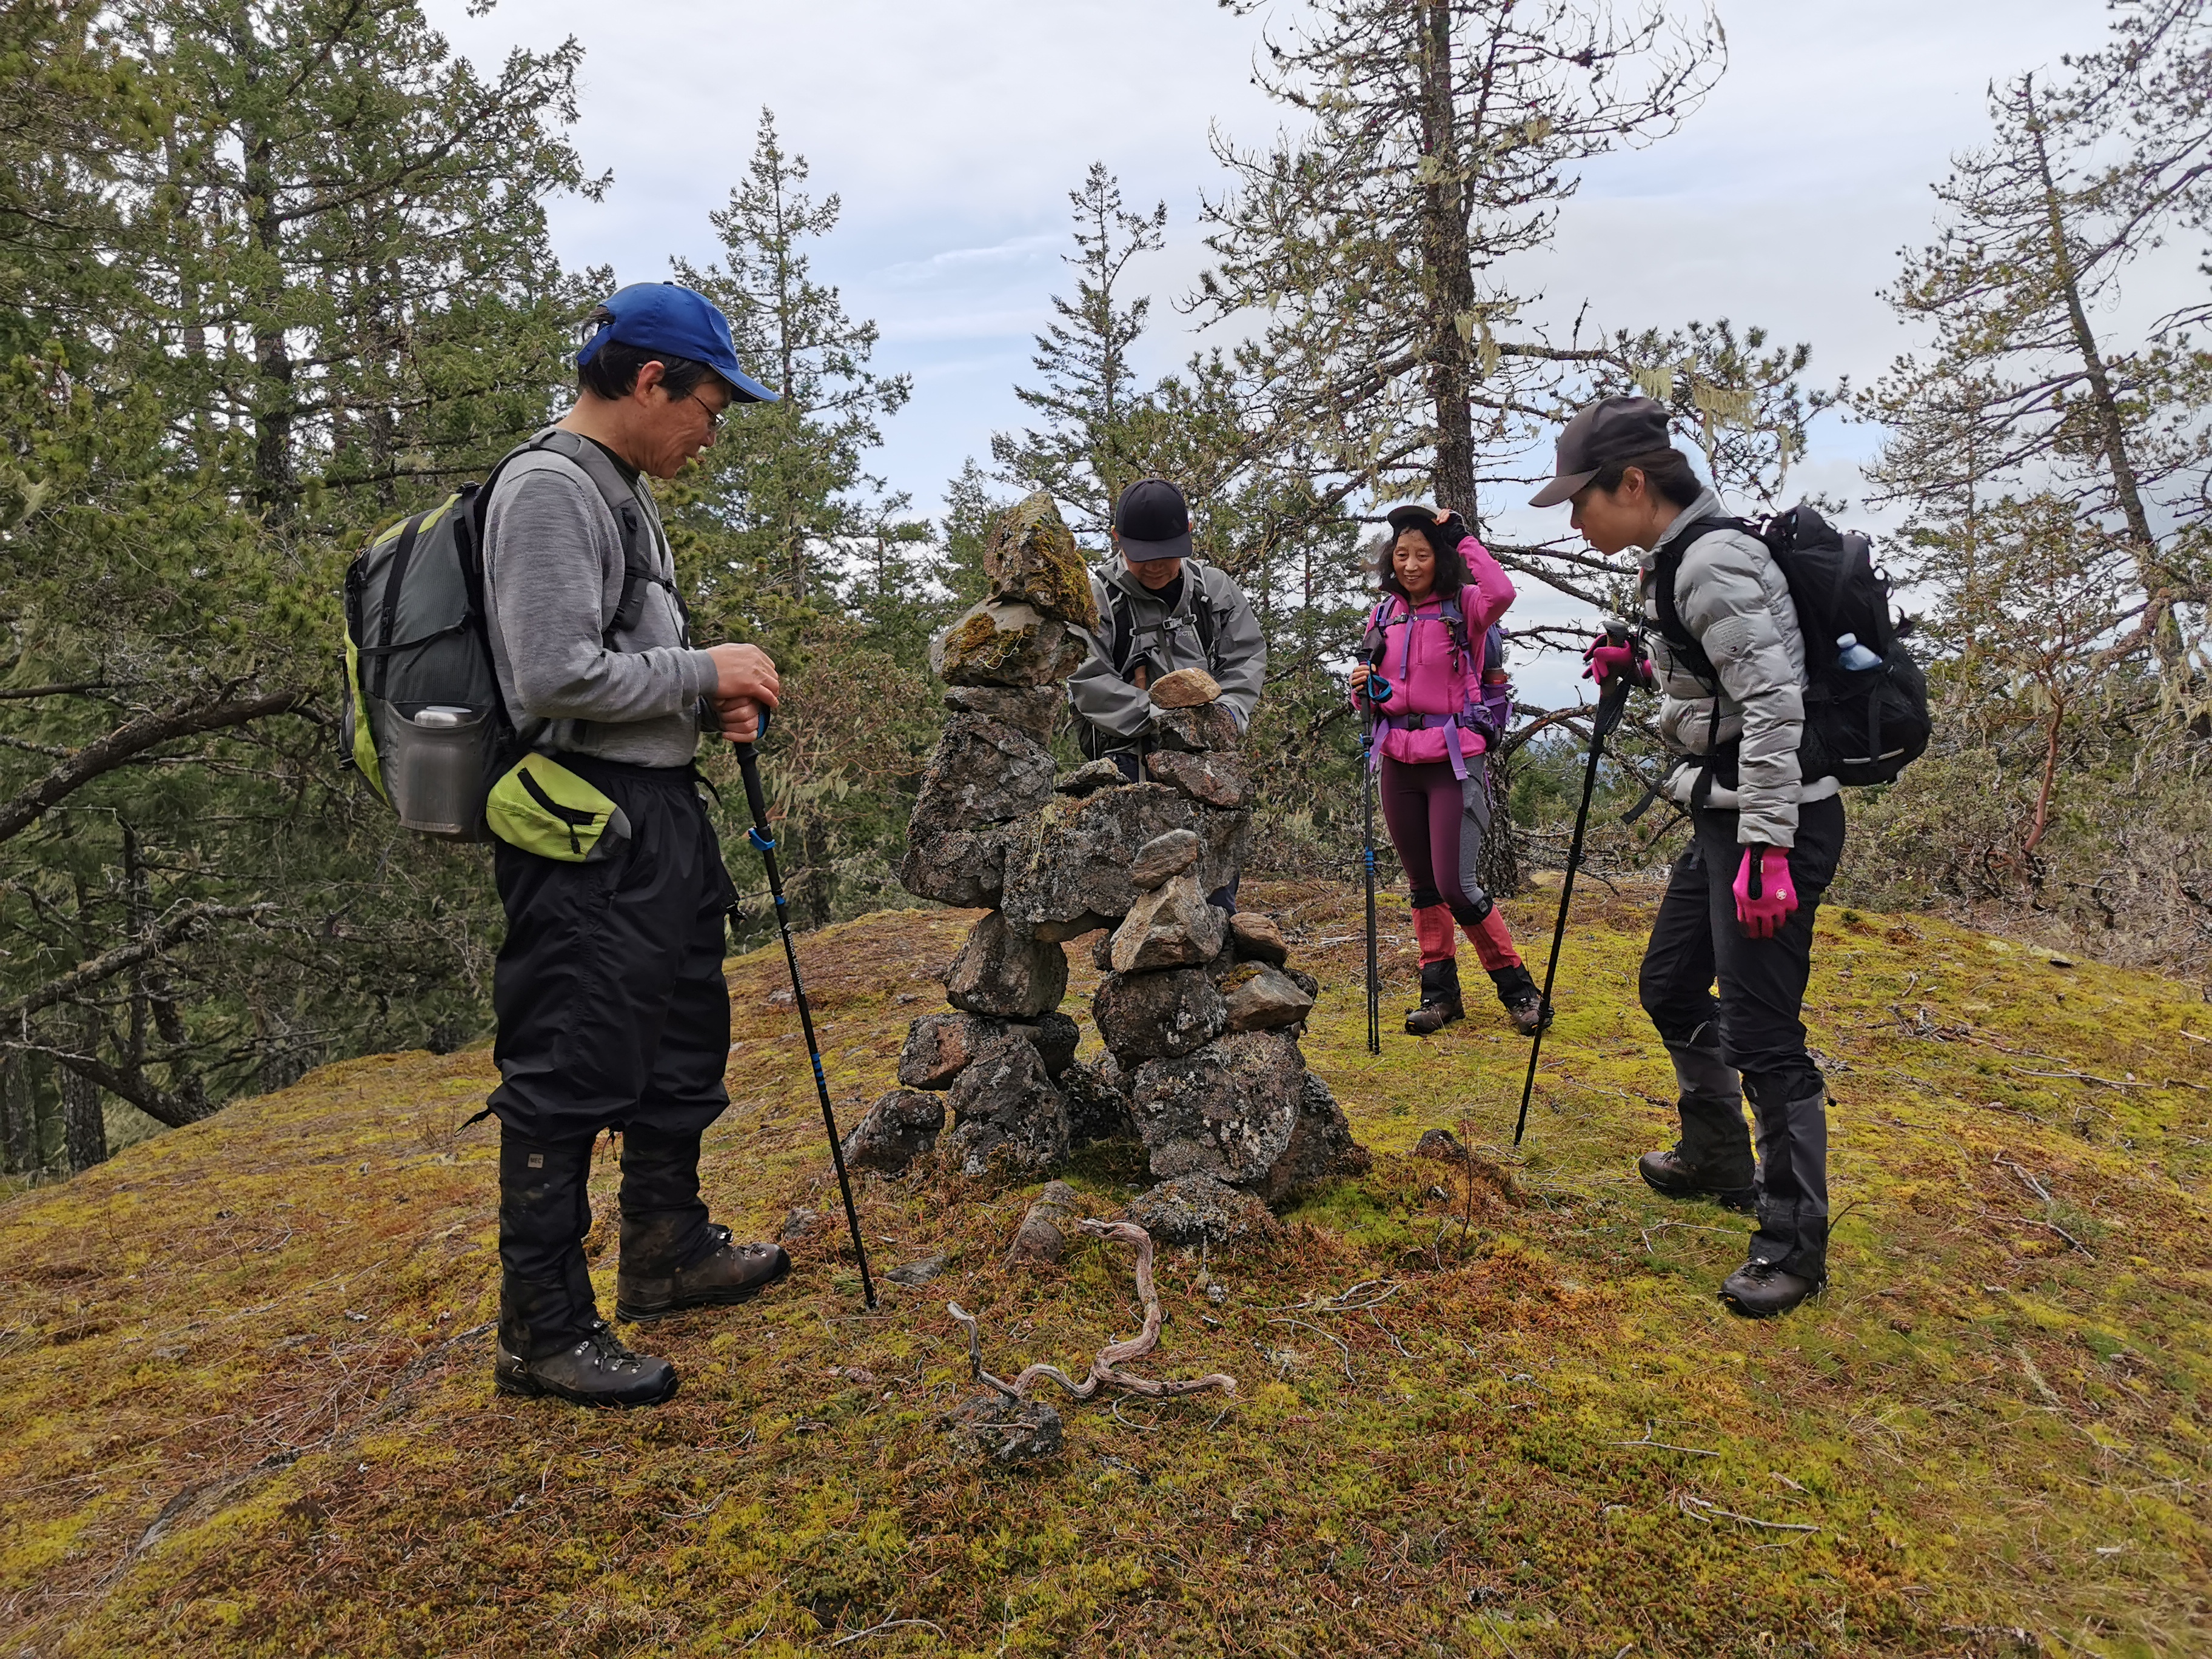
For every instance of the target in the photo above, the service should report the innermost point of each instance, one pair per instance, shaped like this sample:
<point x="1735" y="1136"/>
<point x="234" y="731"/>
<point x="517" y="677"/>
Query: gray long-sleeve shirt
<point x="553" y="579"/>
<point x="1167" y="640"/>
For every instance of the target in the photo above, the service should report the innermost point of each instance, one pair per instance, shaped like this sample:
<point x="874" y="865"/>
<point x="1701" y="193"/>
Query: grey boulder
<point x="1321" y="1147"/>
<point x="1163" y="858"/>
<point x="1206" y="727"/>
<point x="1211" y="780"/>
<point x="1227" y="1110"/>
<point x="1170" y="927"/>
<point x="1006" y="642"/>
<point x="1145" y="1016"/>
<point x="1261" y="998"/>
<point x="966" y="868"/>
<point x="1007" y="1119"/>
<point x="1096" y="1097"/>
<point x="1047" y="1227"/>
<point x="899" y="1128"/>
<point x="983" y="772"/>
<point x="1002" y="970"/>
<point x="1034" y="710"/>
<point x="939" y="1047"/>
<point x="1197" y="1209"/>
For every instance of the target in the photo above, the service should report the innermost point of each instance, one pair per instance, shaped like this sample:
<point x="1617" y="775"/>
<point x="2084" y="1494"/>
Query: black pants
<point x="612" y="1009"/>
<point x="1757" y="1017"/>
<point x="613" y="1014"/>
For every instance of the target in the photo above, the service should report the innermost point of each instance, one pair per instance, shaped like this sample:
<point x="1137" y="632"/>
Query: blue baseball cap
<point x="670" y="318"/>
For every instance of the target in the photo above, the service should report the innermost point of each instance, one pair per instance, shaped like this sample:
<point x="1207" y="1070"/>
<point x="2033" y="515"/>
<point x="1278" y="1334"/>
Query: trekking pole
<point x="749" y="768"/>
<point x="1611" y="701"/>
<point x="1367" y="846"/>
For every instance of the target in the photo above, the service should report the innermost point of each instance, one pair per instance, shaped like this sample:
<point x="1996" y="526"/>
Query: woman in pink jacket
<point x="1424" y="657"/>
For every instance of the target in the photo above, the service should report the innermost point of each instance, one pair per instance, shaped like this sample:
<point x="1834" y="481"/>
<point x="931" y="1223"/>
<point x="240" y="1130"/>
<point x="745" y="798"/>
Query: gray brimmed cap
<point x="1610" y="429"/>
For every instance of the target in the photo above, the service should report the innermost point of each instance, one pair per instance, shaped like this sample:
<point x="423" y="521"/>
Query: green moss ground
<point x="246" y="1404"/>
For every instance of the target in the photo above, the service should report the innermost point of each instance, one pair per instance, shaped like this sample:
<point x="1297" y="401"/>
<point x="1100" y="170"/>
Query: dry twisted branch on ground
<point x="1107" y="1367"/>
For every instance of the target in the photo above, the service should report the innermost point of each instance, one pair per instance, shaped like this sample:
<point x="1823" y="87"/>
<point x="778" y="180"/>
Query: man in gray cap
<point x="1727" y="657"/>
<point x="1160" y="610"/>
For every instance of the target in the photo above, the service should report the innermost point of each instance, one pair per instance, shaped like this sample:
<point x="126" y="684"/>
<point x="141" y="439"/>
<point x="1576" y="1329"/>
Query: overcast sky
<point x="953" y="129"/>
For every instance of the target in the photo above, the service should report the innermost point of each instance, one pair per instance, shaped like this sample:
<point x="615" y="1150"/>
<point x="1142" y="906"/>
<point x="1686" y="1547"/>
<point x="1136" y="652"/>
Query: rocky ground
<point x="1483" y="1405"/>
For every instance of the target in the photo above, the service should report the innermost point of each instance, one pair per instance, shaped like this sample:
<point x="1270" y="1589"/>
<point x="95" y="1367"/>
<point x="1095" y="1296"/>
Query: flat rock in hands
<point x="1187" y="687"/>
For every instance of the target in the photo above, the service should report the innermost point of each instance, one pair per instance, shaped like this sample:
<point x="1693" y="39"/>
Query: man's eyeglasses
<point x="713" y="414"/>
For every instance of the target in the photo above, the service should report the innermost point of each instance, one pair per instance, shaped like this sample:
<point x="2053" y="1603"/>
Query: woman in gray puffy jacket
<point x="1727" y="657"/>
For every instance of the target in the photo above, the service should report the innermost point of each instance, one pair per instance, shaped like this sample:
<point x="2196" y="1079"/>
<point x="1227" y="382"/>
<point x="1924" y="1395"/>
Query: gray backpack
<point x="423" y="721"/>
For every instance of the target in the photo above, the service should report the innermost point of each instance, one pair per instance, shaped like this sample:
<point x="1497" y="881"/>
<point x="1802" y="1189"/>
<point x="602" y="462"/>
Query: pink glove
<point x="1606" y="658"/>
<point x="1761" y="914"/>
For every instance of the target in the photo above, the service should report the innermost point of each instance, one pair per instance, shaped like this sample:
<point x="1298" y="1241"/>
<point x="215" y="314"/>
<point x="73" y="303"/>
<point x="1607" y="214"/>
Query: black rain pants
<point x="1757" y="1017"/>
<point x="613" y="1014"/>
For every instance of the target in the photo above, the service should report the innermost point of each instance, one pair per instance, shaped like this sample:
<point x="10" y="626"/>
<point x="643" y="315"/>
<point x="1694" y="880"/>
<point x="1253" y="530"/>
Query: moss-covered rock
<point x="1032" y="556"/>
<point x="1006" y="642"/>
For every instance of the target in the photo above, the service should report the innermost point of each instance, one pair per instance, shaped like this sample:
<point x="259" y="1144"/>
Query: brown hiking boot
<point x="1523" y="1002"/>
<point x="598" y="1370"/>
<point x="1761" y="1290"/>
<point x="1440" y="998"/>
<point x="727" y="1274"/>
<point x="1670" y="1175"/>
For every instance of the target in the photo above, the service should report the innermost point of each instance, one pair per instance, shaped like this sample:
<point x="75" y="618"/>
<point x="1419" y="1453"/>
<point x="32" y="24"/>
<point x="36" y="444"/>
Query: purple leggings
<point x="1438" y="824"/>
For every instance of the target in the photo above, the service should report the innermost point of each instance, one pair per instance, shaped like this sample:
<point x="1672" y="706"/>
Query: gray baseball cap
<point x="1610" y="429"/>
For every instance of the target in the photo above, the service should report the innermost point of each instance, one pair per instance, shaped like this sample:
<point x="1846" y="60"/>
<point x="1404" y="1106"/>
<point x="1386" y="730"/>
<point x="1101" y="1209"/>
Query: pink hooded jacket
<point x="1429" y="674"/>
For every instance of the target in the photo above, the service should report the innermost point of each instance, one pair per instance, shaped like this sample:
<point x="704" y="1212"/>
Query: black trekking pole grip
<point x="749" y="769"/>
<point x="1612" y="700"/>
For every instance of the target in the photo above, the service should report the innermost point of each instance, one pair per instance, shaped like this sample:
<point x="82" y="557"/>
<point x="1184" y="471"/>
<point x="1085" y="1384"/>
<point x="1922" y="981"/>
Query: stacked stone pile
<point x="1199" y="1012"/>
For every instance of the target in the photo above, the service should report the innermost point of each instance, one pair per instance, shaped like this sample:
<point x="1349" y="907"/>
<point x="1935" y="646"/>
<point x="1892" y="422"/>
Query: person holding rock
<point x="613" y="1013"/>
<point x="1160" y="610"/>
<point x="1423" y="663"/>
<point x="1728" y="658"/>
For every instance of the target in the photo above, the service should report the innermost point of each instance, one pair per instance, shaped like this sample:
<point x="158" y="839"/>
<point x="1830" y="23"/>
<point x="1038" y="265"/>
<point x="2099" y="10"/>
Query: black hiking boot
<point x="1524" y="1003"/>
<point x="1671" y="1175"/>
<point x="727" y="1274"/>
<point x="596" y="1370"/>
<point x="1761" y="1290"/>
<point x="1440" y="1000"/>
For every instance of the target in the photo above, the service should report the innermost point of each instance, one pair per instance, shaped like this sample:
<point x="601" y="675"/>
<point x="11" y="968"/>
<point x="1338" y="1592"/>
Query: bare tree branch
<point x="134" y="737"/>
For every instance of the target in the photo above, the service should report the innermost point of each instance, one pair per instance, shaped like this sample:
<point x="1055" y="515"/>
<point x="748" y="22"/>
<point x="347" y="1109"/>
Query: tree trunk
<point x="1498" y="870"/>
<point x="84" y="1130"/>
<point x="19" y="1118"/>
<point x="2112" y="426"/>
<point x="1448" y="282"/>
<point x="275" y="482"/>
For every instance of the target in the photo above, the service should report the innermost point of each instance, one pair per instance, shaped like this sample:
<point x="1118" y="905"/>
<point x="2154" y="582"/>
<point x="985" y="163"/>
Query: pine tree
<point x="786" y="486"/>
<point x="1092" y="399"/>
<point x="1441" y="140"/>
<point x="2026" y="386"/>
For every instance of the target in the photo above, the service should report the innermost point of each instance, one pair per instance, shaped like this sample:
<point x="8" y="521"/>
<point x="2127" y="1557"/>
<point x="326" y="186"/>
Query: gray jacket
<point x="1735" y="602"/>
<point x="553" y="578"/>
<point x="1163" y="642"/>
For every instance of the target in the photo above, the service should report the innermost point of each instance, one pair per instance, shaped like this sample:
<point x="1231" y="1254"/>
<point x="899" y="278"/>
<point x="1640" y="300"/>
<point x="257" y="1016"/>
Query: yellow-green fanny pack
<point x="540" y="806"/>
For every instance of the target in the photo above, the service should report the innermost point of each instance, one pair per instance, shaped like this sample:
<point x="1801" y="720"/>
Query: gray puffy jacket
<point x="1735" y="602"/>
<point x="1166" y="639"/>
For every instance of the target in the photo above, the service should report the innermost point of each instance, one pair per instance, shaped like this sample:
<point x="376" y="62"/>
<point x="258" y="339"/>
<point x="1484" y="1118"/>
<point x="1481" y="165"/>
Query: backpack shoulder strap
<point x="1666" y="566"/>
<point x="1201" y="609"/>
<point x="635" y="520"/>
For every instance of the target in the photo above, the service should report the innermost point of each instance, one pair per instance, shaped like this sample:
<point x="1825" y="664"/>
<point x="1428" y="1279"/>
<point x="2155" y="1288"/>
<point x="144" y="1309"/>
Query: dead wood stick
<point x="1107" y="1367"/>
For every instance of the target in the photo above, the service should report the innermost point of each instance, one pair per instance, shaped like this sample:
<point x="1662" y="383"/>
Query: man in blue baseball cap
<point x="612" y="1011"/>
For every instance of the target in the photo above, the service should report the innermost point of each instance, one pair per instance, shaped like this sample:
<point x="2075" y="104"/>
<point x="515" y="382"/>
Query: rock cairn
<point x="1199" y="1012"/>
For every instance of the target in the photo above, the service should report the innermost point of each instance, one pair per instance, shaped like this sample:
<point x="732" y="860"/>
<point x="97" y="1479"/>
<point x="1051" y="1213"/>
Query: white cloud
<point x="953" y="129"/>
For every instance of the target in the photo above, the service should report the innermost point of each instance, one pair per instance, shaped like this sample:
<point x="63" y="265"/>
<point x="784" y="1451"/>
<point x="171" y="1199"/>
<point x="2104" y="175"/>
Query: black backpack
<point x="1862" y="726"/>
